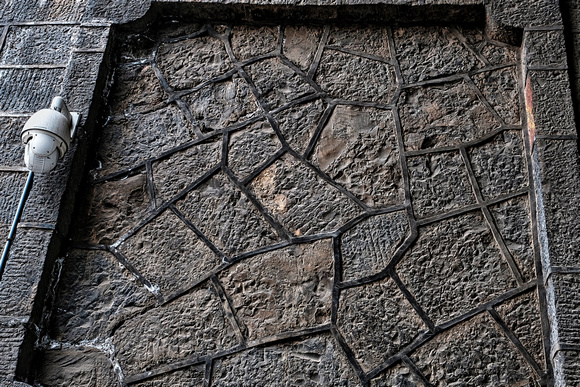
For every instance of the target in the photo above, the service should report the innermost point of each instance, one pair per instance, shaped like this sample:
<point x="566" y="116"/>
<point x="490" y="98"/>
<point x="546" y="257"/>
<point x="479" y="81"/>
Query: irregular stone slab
<point x="501" y="90"/>
<point x="131" y="140"/>
<point x="169" y="254"/>
<point x="95" y="293"/>
<point x="368" y="40"/>
<point x="495" y="52"/>
<point x="188" y="63"/>
<point x="191" y="326"/>
<point x="191" y="377"/>
<point x="358" y="149"/>
<point x="277" y="83"/>
<point x="283" y="290"/>
<point x="355" y="78"/>
<point x="397" y="376"/>
<point x="313" y="361"/>
<point x="499" y="165"/>
<point x="111" y="209"/>
<point x="250" y="147"/>
<point x="299" y="122"/>
<point x="442" y="115"/>
<point x="455" y="266"/>
<point x="431" y="52"/>
<point x="522" y="316"/>
<point x="300" y="44"/>
<point x="460" y="357"/>
<point x="227" y="217"/>
<point x="31" y="45"/>
<point x="173" y="174"/>
<point x="77" y="367"/>
<point x="439" y="183"/>
<point x="250" y="41"/>
<point x="377" y="321"/>
<point x="222" y="104"/>
<point x="368" y="247"/>
<point x="301" y="200"/>
<point x="514" y="224"/>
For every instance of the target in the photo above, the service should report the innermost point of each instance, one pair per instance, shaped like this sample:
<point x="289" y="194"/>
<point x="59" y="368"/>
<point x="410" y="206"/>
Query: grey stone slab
<point x="92" y="38"/>
<point x="566" y="289"/>
<point x="568" y="373"/>
<point x="545" y="48"/>
<point x="11" y="186"/>
<point x="33" y="45"/>
<point x="300" y="44"/>
<point x="560" y="175"/>
<point x="397" y="376"/>
<point x="81" y="80"/>
<point x="116" y="11"/>
<point x="35" y="10"/>
<point x="514" y="13"/>
<point x="190" y="376"/>
<point x="501" y="89"/>
<point x="11" y="336"/>
<point x="367" y="40"/>
<point x="29" y="90"/>
<point x="299" y="122"/>
<point x="11" y="148"/>
<point x="250" y="41"/>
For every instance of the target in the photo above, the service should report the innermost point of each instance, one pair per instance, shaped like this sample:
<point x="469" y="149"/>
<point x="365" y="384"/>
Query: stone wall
<point x="317" y="204"/>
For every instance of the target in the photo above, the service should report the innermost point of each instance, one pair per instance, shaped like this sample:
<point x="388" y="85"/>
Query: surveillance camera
<point x="47" y="136"/>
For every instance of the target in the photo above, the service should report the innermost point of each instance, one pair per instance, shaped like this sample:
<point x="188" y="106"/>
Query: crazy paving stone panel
<point x="304" y="205"/>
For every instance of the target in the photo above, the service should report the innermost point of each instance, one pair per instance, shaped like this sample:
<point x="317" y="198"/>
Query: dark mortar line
<point x="37" y="226"/>
<point x="132" y="171"/>
<point x="395" y="61"/>
<point x="228" y="309"/>
<point x="183" y="93"/>
<point x="132" y="379"/>
<point x="489" y="218"/>
<point x="298" y="101"/>
<point x="242" y="125"/>
<point x="150" y="184"/>
<point x="559" y="270"/>
<point x="455" y="32"/>
<point x="555" y="27"/>
<point x="225" y="149"/>
<point x="322" y="122"/>
<point x="313" y="238"/>
<point x="158" y="72"/>
<point x="187" y="145"/>
<point x="273" y="223"/>
<point x="319" y="51"/>
<point x="262" y="167"/>
<point x="262" y="250"/>
<point x="185" y="109"/>
<point x="377" y="105"/>
<point x="364" y="216"/>
<point x="349" y="355"/>
<point x="129" y="266"/>
<point x="3" y="37"/>
<point x="411" y="299"/>
<point x="403" y="159"/>
<point x="359" y="54"/>
<point x="301" y="73"/>
<point x="142" y="223"/>
<point x="548" y="68"/>
<point x="228" y="47"/>
<point x="515" y="341"/>
<point x="88" y="51"/>
<point x="207" y="373"/>
<point x="456" y="77"/>
<point x="181" y="38"/>
<point x="287" y="336"/>
<point x="212" y="32"/>
<point x="557" y="137"/>
<point x="337" y="255"/>
<point x="202" y="179"/>
<point x="484" y="100"/>
<point x="491" y="68"/>
<point x="415" y="370"/>
<point x="197" y="232"/>
<point x="565" y="347"/>
<point x="185" y="290"/>
<point x="251" y="61"/>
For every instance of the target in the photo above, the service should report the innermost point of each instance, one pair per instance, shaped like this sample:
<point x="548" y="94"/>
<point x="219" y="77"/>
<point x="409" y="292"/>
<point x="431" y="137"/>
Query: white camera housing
<point x="47" y="136"/>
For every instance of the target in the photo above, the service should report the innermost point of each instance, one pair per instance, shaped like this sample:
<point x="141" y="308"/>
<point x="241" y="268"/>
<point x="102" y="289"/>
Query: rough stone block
<point x="299" y="122"/>
<point x="33" y="45"/>
<point x="11" y="149"/>
<point x="222" y="104"/>
<point x="95" y="293"/>
<point x="532" y="13"/>
<point x="367" y="40"/>
<point x="355" y="78"/>
<point x="35" y="10"/>
<point x="397" y="376"/>
<point x="358" y="149"/>
<point x="80" y="82"/>
<point x="11" y="186"/>
<point x="92" y="38"/>
<point x="459" y="357"/>
<point x="368" y="247"/>
<point x="23" y="270"/>
<point x="545" y="48"/>
<point x="500" y="88"/>
<point x="443" y="115"/>
<point x="169" y="254"/>
<point x="300" y="44"/>
<point x="569" y="361"/>
<point x="300" y="199"/>
<point x="315" y="361"/>
<point x="77" y="367"/>
<point x="560" y="175"/>
<point x="250" y="147"/>
<point x="191" y="376"/>
<point x="277" y="83"/>
<point x="227" y="217"/>
<point x="250" y="41"/>
<point x="439" y="183"/>
<point x="377" y="321"/>
<point x="567" y="300"/>
<point x="454" y="267"/>
<point x="115" y="11"/>
<point x="552" y="105"/>
<point x="499" y="165"/>
<point x="28" y="90"/>
<point x="190" y="326"/>
<point x="282" y="291"/>
<point x="12" y="333"/>
<point x="496" y="53"/>
<point x="172" y="174"/>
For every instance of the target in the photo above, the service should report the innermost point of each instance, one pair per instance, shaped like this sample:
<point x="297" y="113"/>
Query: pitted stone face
<point x="311" y="205"/>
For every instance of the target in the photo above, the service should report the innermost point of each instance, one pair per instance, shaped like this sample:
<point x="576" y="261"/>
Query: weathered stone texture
<point x="377" y="321"/>
<point x="397" y="376"/>
<point x="250" y="41"/>
<point x="300" y="44"/>
<point x="439" y="183"/>
<point x="92" y="38"/>
<point x="567" y="300"/>
<point x="533" y="13"/>
<point x="443" y="115"/>
<point x="545" y="48"/>
<point x="35" y="10"/>
<point x="19" y="89"/>
<point x="227" y="217"/>
<point x="500" y="88"/>
<point x="358" y="149"/>
<point x="12" y="333"/>
<point x="169" y="254"/>
<point x="301" y="200"/>
<point x="77" y="367"/>
<point x="476" y="353"/>
<point x="459" y="261"/>
<point x="136" y="90"/>
<point x="569" y="361"/>
<point x="315" y="361"/>
<point x="80" y="82"/>
<point x="284" y="290"/>
<point x="193" y="325"/>
<point x="10" y="143"/>
<point x="11" y="186"/>
<point x="298" y="123"/>
<point x="367" y="40"/>
<point x="369" y="247"/>
<point x="190" y="377"/>
<point x="95" y="294"/>
<point x="499" y="165"/>
<point x="29" y="45"/>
